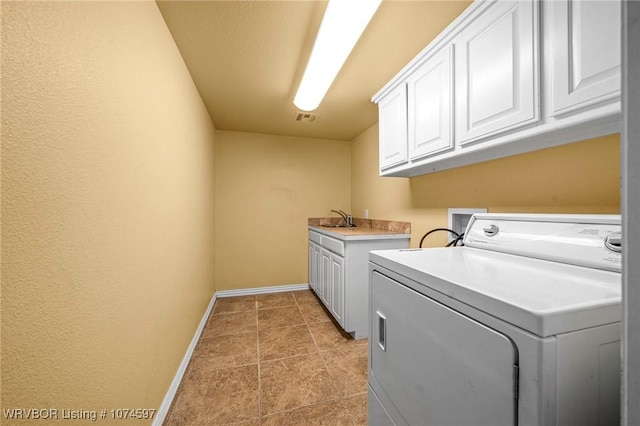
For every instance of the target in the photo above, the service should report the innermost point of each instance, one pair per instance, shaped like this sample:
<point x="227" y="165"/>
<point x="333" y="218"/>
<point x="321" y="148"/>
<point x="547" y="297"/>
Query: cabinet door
<point x="392" y="112"/>
<point x="314" y="272"/>
<point x="325" y="276"/>
<point x="438" y="366"/>
<point x="496" y="71"/>
<point x="312" y="267"/>
<point x="337" y="288"/>
<point x="585" y="53"/>
<point x="317" y="259"/>
<point x="429" y="95"/>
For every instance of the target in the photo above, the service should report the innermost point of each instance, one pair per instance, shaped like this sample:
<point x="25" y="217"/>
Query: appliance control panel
<point x="593" y="241"/>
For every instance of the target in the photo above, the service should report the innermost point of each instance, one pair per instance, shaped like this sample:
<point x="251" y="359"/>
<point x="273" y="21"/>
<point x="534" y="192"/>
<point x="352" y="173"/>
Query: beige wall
<point x="110" y="186"/>
<point x="577" y="178"/>
<point x="107" y="206"/>
<point x="266" y="188"/>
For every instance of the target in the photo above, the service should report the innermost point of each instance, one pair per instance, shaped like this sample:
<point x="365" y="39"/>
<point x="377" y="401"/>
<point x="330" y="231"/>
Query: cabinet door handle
<point x="382" y="331"/>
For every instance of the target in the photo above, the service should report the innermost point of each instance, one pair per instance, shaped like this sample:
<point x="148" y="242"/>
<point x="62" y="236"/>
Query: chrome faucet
<point x="348" y="220"/>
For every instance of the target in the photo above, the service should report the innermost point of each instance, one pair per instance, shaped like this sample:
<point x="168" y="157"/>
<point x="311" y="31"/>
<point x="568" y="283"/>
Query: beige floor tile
<point x="313" y="312"/>
<point x="348" y="366"/>
<point x="231" y="323"/>
<point x="275" y="300"/>
<point x="252" y="422"/>
<point x="232" y="395"/>
<point x="194" y="385"/>
<point x="305" y="296"/>
<point x="294" y="382"/>
<point x="226" y="351"/>
<point x="189" y="407"/>
<point x="328" y="336"/>
<point x="284" y="342"/>
<point x="279" y="317"/>
<point x="356" y="406"/>
<point x="225" y="384"/>
<point x="217" y="397"/>
<point x="326" y="413"/>
<point x="225" y="305"/>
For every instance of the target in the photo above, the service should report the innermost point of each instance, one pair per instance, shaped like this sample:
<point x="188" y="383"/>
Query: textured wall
<point x="107" y="206"/>
<point x="583" y="177"/>
<point x="266" y="188"/>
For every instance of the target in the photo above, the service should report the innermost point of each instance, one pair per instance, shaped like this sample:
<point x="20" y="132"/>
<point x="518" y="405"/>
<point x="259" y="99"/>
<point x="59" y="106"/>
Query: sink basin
<point x="337" y="226"/>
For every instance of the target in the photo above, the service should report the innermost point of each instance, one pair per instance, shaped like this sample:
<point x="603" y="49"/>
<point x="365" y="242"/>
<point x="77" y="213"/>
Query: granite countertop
<point x="364" y="228"/>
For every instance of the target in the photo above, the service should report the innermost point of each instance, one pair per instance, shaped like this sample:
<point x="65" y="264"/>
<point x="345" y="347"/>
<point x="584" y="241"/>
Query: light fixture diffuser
<point x="342" y="25"/>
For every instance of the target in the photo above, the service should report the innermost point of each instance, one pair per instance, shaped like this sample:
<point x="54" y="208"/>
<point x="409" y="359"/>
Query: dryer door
<point x="437" y="366"/>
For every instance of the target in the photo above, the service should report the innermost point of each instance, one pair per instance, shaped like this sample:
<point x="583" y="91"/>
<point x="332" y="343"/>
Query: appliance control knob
<point x="491" y="231"/>
<point x="613" y="242"/>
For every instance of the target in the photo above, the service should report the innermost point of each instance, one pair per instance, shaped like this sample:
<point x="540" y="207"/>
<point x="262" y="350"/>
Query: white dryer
<point x="521" y="326"/>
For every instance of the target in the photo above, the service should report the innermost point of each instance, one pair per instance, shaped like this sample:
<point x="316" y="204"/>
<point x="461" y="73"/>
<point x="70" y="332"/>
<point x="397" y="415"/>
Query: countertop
<point x="365" y="229"/>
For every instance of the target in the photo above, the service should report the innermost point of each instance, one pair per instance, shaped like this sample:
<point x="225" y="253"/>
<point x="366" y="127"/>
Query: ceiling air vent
<point x="306" y="117"/>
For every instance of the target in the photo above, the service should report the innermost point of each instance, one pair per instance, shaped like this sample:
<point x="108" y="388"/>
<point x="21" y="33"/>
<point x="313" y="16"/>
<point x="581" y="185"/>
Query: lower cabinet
<point x="338" y="275"/>
<point x="326" y="279"/>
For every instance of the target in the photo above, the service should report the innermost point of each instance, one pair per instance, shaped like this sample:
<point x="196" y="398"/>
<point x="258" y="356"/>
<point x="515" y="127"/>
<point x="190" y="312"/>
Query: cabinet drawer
<point x="315" y="237"/>
<point x="333" y="245"/>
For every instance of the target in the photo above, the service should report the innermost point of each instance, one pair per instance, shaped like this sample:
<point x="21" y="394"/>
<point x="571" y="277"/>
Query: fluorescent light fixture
<point x="342" y="24"/>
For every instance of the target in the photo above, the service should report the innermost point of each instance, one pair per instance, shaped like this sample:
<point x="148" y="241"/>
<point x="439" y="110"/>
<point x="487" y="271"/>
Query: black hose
<point x="457" y="236"/>
<point x="455" y="242"/>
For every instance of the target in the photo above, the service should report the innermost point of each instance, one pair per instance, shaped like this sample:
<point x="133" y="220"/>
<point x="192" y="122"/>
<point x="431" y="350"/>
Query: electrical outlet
<point x="459" y="218"/>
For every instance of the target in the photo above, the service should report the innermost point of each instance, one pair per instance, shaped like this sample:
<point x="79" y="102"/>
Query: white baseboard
<point x="173" y="388"/>
<point x="262" y="290"/>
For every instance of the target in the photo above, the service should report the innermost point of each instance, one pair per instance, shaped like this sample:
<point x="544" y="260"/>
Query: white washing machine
<point x="521" y="326"/>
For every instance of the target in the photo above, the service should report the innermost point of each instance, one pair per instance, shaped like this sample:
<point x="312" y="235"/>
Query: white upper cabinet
<point x="497" y="61"/>
<point x="430" y="114"/>
<point x="504" y="78"/>
<point x="392" y="113"/>
<point x="585" y="53"/>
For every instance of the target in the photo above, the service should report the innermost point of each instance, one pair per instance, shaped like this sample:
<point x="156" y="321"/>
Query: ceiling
<point x="247" y="59"/>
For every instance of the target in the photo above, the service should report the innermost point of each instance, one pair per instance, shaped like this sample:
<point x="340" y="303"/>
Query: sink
<point x="337" y="226"/>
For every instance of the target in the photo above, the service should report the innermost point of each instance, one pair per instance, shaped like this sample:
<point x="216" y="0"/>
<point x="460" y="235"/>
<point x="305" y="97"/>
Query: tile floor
<point x="273" y="359"/>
